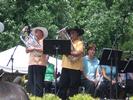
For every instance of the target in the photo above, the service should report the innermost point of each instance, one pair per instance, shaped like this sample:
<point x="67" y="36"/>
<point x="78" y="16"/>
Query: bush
<point x="45" y="97"/>
<point x="35" y="98"/>
<point x="82" y="97"/>
<point x="131" y="98"/>
<point x="50" y="97"/>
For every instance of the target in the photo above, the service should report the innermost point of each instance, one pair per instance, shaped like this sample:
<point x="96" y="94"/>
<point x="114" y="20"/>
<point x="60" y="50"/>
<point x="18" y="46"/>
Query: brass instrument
<point x="29" y="40"/>
<point x="63" y="35"/>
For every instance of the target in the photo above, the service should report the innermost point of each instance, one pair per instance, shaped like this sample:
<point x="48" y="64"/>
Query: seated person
<point x="126" y="81"/>
<point x="109" y="82"/>
<point x="90" y="69"/>
<point x="12" y="91"/>
<point x="49" y="76"/>
<point x="129" y="83"/>
<point x="106" y="71"/>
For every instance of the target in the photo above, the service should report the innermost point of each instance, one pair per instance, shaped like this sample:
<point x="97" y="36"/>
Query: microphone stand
<point x="116" y="59"/>
<point x="12" y="59"/>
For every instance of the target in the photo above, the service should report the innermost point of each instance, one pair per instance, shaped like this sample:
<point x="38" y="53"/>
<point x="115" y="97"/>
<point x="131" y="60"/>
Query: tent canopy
<point x="16" y="59"/>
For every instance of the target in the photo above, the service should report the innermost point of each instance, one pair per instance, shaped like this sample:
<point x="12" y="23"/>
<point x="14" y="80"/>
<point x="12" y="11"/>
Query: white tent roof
<point x="20" y="60"/>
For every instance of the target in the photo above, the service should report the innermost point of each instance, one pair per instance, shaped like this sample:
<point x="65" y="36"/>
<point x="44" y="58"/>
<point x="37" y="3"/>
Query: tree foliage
<point x="102" y="20"/>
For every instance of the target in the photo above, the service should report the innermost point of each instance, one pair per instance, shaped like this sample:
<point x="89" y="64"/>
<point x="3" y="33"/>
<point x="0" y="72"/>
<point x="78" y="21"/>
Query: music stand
<point x="125" y="66"/>
<point x="51" y="46"/>
<point x="56" y="47"/>
<point x="111" y="57"/>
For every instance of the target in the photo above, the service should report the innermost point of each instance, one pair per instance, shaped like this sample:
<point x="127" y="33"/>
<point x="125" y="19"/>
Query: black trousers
<point x="89" y="86"/>
<point x="35" y="79"/>
<point x="129" y="86"/>
<point x="48" y="86"/>
<point x="69" y="83"/>
<point x="105" y="89"/>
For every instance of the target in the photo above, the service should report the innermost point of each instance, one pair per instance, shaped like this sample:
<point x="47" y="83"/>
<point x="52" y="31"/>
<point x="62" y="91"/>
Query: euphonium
<point x="29" y="39"/>
<point x="63" y="35"/>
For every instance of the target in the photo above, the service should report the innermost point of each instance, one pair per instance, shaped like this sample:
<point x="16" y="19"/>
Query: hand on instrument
<point x="25" y="29"/>
<point x="30" y="49"/>
<point x="113" y="81"/>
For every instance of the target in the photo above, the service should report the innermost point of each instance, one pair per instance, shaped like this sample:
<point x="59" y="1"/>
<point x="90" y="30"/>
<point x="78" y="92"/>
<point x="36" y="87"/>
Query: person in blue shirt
<point x="109" y="82"/>
<point x="90" y="69"/>
<point x="106" y="70"/>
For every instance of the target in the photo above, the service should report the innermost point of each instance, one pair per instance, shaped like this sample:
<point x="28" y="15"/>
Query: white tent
<point x="19" y="61"/>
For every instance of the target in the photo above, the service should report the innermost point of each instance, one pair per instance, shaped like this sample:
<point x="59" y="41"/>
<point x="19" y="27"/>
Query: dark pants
<point x="35" y="79"/>
<point x="48" y="86"/>
<point x="69" y="83"/>
<point x="129" y="86"/>
<point x="105" y="90"/>
<point x="89" y="86"/>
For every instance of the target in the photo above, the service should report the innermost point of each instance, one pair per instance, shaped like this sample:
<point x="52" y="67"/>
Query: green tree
<point x="102" y="20"/>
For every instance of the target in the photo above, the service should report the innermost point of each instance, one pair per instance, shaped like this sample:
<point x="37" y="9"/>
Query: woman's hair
<point x="90" y="46"/>
<point x="12" y="91"/>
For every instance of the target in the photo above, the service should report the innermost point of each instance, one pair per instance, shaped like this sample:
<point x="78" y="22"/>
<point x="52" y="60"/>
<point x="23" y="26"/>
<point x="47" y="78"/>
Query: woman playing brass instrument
<point x="71" y="71"/>
<point x="65" y="35"/>
<point x="37" y="63"/>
